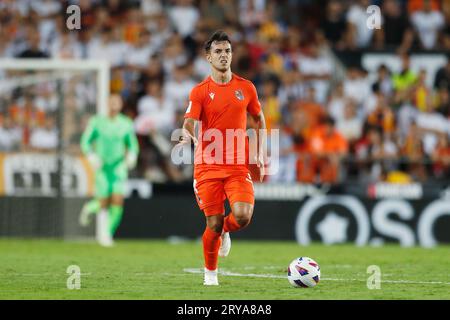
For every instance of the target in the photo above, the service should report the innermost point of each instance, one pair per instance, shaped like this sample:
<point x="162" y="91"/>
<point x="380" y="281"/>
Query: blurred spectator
<point x="107" y="47"/>
<point x="375" y="154"/>
<point x="432" y="124"/>
<point x="290" y="89"/>
<point x="446" y="30"/>
<point x="406" y="115"/>
<point x="218" y="13"/>
<point x="152" y="72"/>
<point x="155" y="112"/>
<point x="272" y="61"/>
<point x="442" y="77"/>
<point x="336" y="104"/>
<point x="413" y="152"/>
<point x="287" y="158"/>
<point x="312" y="111"/>
<point x="417" y="5"/>
<point x="382" y="116"/>
<point x="178" y="88"/>
<point x="441" y="157"/>
<point x="44" y="137"/>
<point x="183" y="16"/>
<point x="350" y="125"/>
<point x="443" y="102"/>
<point x="46" y="10"/>
<point x="33" y="47"/>
<point x="315" y="70"/>
<point x="251" y="13"/>
<point x="422" y="94"/>
<point x="374" y="98"/>
<point x="406" y="78"/>
<point x="47" y="101"/>
<point x="151" y="8"/>
<point x="384" y="81"/>
<point x="174" y="55"/>
<point x="133" y="28"/>
<point x="333" y="25"/>
<point x="26" y="115"/>
<point x="428" y="23"/>
<point x="396" y="32"/>
<point x="65" y="47"/>
<point x="358" y="35"/>
<point x="10" y="135"/>
<point x="139" y="53"/>
<point x="328" y="148"/>
<point x="202" y="68"/>
<point x="270" y="103"/>
<point x="356" y="85"/>
<point x="161" y="30"/>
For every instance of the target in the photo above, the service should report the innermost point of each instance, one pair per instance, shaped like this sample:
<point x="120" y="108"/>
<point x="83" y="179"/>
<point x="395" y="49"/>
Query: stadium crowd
<point x="336" y="123"/>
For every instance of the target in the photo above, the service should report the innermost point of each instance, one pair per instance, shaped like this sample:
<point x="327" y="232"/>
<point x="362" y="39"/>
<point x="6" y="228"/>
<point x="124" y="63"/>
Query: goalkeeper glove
<point x="94" y="160"/>
<point x="131" y="160"/>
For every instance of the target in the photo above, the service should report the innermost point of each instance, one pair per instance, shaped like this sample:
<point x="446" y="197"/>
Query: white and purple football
<point x="303" y="272"/>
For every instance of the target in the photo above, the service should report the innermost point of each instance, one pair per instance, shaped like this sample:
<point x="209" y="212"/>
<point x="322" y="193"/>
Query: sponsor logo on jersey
<point x="239" y="94"/>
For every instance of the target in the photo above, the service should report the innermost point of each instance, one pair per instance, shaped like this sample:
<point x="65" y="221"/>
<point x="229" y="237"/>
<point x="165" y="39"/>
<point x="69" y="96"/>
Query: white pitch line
<point x="38" y="274"/>
<point x="255" y="275"/>
<point x="232" y="274"/>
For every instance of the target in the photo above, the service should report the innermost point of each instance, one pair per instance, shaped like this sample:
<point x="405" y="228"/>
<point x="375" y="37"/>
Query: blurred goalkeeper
<point x="111" y="146"/>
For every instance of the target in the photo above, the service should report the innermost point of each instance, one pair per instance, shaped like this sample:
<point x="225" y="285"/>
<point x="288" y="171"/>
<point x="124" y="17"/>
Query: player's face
<point x="220" y="55"/>
<point x="115" y="104"/>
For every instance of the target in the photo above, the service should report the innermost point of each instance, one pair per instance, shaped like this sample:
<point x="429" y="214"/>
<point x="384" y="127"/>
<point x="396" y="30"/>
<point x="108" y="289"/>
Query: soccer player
<point x="220" y="104"/>
<point x="111" y="146"/>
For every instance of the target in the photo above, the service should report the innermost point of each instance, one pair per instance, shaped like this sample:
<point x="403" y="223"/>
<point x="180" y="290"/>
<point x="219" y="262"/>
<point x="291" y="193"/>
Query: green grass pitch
<point x="36" y="269"/>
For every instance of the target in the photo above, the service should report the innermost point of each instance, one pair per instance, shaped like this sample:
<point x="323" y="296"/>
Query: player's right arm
<point x="193" y="114"/>
<point x="87" y="139"/>
<point x="189" y="131"/>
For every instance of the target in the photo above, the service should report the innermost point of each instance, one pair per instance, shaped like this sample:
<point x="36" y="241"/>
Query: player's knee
<point x="215" y="224"/>
<point x="243" y="215"/>
<point x="216" y="227"/>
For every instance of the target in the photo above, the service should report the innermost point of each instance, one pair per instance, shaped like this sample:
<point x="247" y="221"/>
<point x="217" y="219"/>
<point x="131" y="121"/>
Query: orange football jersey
<point x="222" y="112"/>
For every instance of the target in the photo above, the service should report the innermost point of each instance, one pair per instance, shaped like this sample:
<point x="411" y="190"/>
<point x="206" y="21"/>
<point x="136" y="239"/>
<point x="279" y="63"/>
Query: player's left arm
<point x="255" y="111"/>
<point x="89" y="136"/>
<point x="132" y="147"/>
<point x="261" y="136"/>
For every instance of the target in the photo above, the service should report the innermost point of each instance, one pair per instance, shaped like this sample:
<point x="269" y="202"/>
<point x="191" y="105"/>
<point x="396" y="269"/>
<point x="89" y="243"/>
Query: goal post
<point x="44" y="179"/>
<point x="101" y="66"/>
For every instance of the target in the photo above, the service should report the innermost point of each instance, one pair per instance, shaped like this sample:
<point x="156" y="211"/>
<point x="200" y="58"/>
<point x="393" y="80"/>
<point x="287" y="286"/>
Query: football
<point x="303" y="272"/>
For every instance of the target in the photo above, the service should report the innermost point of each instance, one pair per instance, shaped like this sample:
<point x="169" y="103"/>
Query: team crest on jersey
<point x="239" y="94"/>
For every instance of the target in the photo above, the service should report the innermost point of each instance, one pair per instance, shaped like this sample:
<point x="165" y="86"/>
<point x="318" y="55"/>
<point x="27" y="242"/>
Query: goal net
<point x="44" y="179"/>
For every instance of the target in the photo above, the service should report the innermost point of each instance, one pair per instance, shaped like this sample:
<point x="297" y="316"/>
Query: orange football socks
<point x="211" y="245"/>
<point x="230" y="224"/>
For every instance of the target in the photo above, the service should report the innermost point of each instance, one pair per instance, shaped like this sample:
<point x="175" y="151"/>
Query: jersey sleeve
<point x="88" y="136"/>
<point x="194" y="109"/>
<point x="254" y="106"/>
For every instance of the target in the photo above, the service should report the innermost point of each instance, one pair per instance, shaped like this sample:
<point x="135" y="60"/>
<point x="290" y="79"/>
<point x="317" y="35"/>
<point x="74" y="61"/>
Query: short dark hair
<point x="220" y="36"/>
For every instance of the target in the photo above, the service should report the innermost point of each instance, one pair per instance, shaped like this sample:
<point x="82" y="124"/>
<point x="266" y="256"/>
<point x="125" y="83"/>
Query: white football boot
<point x="85" y="215"/>
<point x="102" y="234"/>
<point x="210" y="278"/>
<point x="225" y="246"/>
